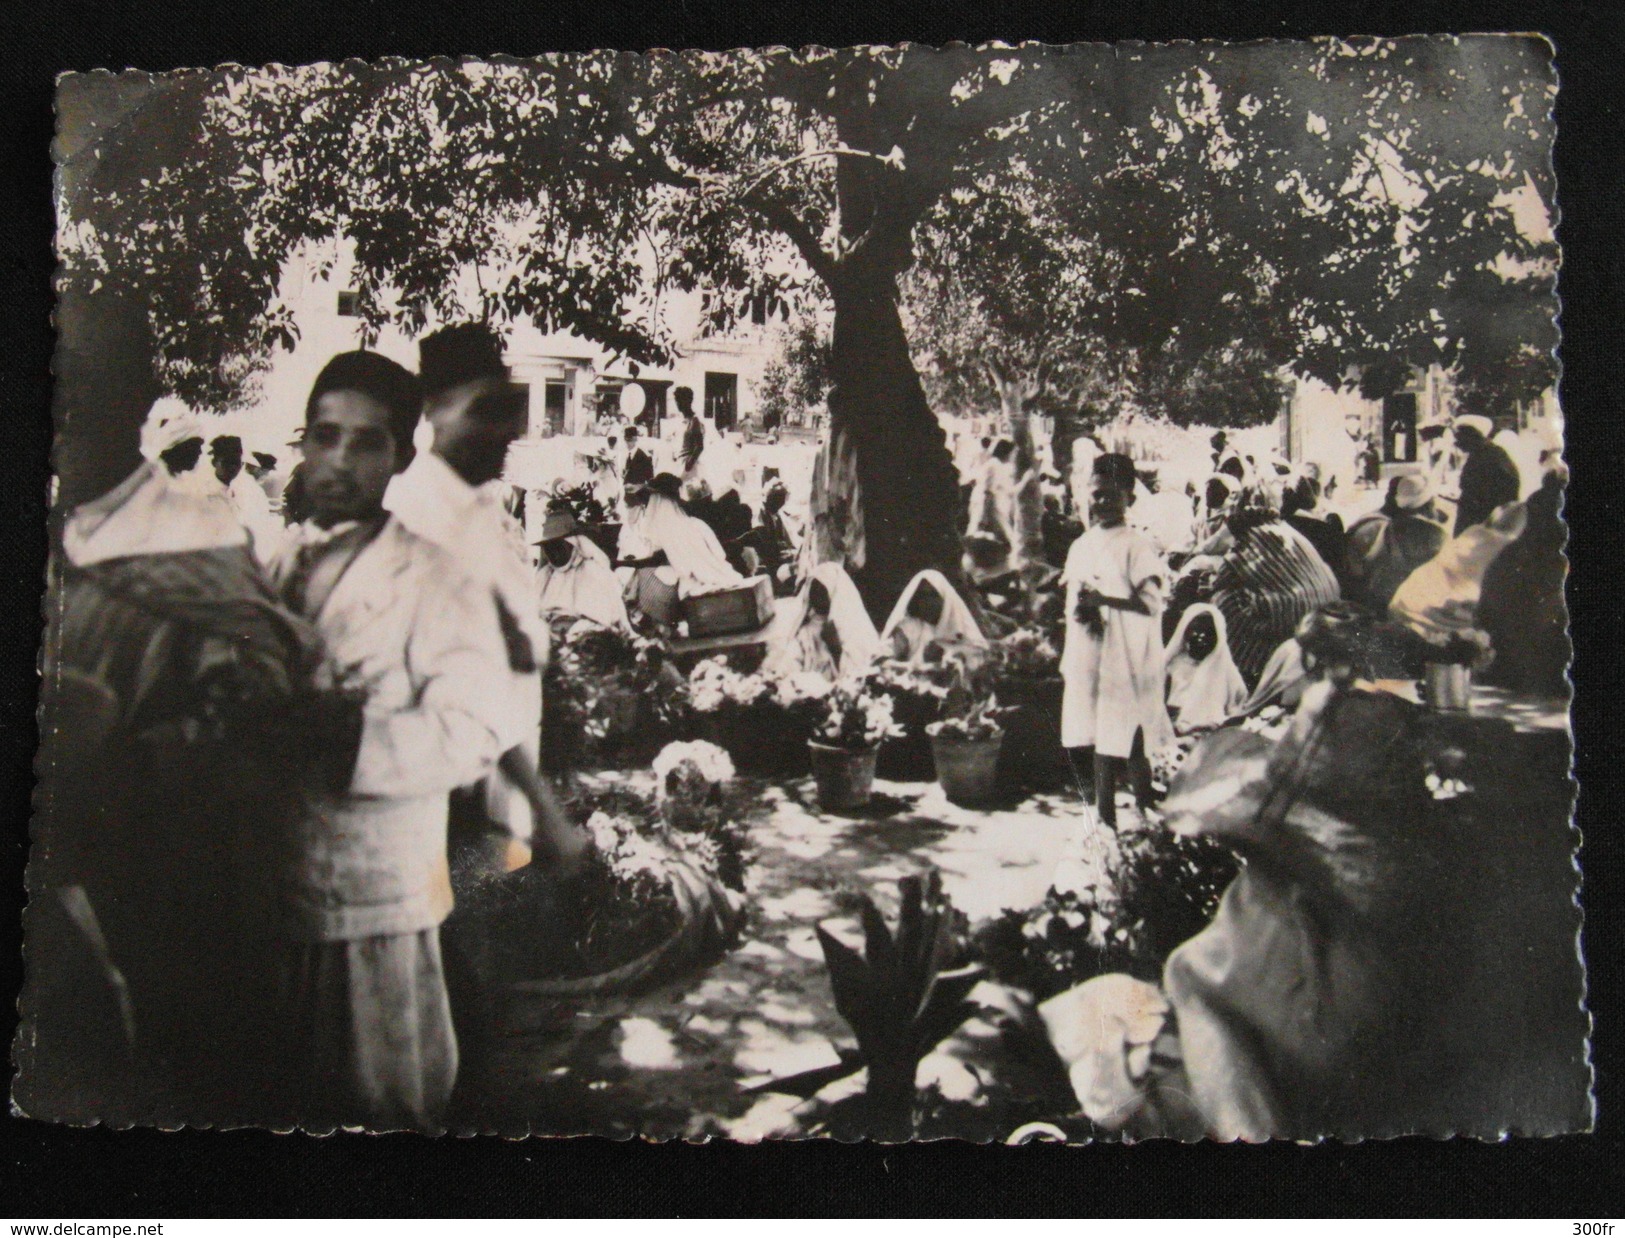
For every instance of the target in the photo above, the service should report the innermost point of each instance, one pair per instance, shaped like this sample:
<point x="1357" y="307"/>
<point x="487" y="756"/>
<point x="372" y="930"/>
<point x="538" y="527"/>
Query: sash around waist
<point x="366" y="868"/>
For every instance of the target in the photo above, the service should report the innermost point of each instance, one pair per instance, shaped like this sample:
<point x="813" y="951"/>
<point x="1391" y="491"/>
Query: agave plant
<point x="898" y="999"/>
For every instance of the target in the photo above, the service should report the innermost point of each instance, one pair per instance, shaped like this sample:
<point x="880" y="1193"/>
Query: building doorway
<point x="722" y="400"/>
<point x="555" y="403"/>
<point x="1399" y="428"/>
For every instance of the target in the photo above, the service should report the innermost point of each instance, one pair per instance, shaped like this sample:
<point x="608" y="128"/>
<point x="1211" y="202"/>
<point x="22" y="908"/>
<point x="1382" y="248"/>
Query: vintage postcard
<point x="1008" y="593"/>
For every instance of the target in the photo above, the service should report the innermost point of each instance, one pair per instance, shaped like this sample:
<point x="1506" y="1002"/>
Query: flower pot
<point x="907" y="758"/>
<point x="761" y="739"/>
<point x="845" y="778"/>
<point x="620" y="709"/>
<point x="1032" y="758"/>
<point x="967" y="769"/>
<point x="1449" y="685"/>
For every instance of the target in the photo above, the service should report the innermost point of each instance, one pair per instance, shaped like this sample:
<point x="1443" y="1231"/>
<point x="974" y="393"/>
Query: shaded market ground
<point x="678" y="1061"/>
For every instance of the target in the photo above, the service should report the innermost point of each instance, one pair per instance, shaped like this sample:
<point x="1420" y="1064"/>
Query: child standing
<point x="1112" y="665"/>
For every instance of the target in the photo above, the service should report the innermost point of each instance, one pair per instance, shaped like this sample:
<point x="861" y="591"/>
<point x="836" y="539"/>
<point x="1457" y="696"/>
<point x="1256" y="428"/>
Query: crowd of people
<point x="1170" y="594"/>
<point x="278" y="703"/>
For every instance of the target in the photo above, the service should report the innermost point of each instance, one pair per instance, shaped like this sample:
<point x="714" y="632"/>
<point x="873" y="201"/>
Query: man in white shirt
<point x="452" y="496"/>
<point x="409" y="648"/>
<point x="245" y="495"/>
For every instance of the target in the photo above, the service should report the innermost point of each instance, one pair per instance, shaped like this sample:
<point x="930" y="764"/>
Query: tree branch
<point x="778" y="215"/>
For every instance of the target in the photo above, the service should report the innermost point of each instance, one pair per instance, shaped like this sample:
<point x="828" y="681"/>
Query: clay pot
<point x="845" y="778"/>
<point x="967" y="769"/>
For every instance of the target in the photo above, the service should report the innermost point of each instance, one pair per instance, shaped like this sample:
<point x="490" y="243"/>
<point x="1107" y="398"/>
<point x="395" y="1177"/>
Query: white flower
<point x="708" y="686"/>
<point x="607" y="833"/>
<point x="713" y="764"/>
<point x="802" y="686"/>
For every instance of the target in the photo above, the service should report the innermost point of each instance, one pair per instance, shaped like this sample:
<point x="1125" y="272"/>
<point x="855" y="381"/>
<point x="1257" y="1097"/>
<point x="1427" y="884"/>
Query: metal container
<point x="1449" y="685"/>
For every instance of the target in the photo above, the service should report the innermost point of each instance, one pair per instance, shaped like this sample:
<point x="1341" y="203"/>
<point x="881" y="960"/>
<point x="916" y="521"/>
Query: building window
<point x="349" y="303"/>
<point x="655" y="411"/>
<point x="722" y="400"/>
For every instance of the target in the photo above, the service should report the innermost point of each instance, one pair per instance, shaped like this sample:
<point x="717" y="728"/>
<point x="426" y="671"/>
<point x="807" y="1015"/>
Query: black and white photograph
<point x="1008" y="593"/>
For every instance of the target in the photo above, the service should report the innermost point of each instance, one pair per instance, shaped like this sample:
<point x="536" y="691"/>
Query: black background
<point x="47" y="1173"/>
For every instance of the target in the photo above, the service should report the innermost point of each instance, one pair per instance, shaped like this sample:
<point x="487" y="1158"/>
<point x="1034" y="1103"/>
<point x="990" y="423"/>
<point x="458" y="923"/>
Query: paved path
<point x="675" y="1062"/>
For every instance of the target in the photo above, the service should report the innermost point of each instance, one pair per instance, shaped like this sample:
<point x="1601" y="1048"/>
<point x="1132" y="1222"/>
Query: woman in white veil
<point x="1204" y="687"/>
<point x="576" y="578"/>
<point x="692" y="551"/>
<point x="832" y="634"/>
<point x="930" y="616"/>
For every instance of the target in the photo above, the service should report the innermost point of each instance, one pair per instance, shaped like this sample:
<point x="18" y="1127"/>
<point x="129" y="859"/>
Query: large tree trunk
<point x="908" y="485"/>
<point x="104" y="386"/>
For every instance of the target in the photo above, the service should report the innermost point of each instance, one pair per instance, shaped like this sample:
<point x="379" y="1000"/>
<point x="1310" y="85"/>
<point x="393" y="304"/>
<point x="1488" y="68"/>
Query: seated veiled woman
<point x="1301" y="508"/>
<point x="660" y="537"/>
<point x="576" y="578"/>
<point x="1385" y="547"/>
<point x="832" y="634"/>
<point x="1440" y="598"/>
<point x="929" y="622"/>
<point x="1204" y="686"/>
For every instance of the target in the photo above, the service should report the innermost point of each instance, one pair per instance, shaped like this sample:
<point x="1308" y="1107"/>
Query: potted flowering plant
<point x="1027" y="682"/>
<point x="762" y="720"/>
<point x="853" y="722"/>
<point x="965" y="746"/>
<point x="610" y="694"/>
<point x="1026" y="654"/>
<point x="916" y="694"/>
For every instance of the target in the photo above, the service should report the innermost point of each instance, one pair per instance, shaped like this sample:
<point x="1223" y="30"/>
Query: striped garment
<point x="1270" y="581"/>
<point x="148" y="625"/>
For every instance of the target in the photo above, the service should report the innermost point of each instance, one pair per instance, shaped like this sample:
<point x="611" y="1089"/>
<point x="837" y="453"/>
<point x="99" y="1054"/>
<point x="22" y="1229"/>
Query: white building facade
<point x="574" y="384"/>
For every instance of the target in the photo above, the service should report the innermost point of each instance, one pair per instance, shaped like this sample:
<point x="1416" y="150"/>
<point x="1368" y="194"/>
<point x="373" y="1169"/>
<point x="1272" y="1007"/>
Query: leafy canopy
<point x="1164" y="225"/>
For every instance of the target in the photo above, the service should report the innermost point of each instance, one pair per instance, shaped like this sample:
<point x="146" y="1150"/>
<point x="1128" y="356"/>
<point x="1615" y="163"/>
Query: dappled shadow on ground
<point x="677" y="1061"/>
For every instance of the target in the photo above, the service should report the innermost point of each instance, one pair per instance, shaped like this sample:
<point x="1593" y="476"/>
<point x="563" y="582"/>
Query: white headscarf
<point x="956" y="626"/>
<point x="1205" y="692"/>
<point x="860" y="643"/>
<point x="148" y="514"/>
<point x="585" y="586"/>
<point x="169" y="423"/>
<point x="690" y="545"/>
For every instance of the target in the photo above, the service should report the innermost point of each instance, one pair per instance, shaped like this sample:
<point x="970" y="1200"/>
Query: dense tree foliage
<point x="1165" y="224"/>
<point x="796" y="380"/>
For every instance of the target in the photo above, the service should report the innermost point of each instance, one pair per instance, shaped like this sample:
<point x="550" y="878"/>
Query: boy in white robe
<point x="452" y="496"/>
<point x="1112" y="711"/>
